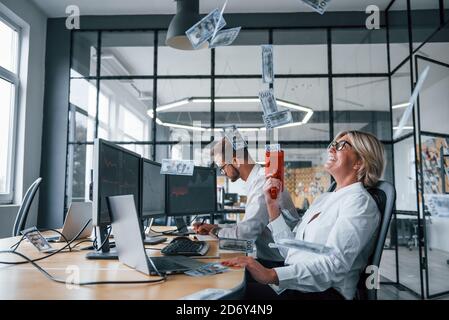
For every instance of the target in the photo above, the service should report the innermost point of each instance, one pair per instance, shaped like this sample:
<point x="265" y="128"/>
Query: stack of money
<point x="177" y="167"/>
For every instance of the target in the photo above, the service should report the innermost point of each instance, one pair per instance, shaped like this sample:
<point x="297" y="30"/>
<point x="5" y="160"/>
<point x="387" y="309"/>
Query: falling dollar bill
<point x="224" y="37"/>
<point x="219" y="19"/>
<point x="234" y="137"/>
<point x="203" y="30"/>
<point x="411" y="103"/>
<point x="277" y="119"/>
<point x="301" y="245"/>
<point x="318" y="5"/>
<point x="177" y="167"/>
<point x="267" y="64"/>
<point x="268" y="101"/>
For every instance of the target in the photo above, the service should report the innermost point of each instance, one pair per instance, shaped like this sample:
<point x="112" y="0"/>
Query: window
<point x="9" y="83"/>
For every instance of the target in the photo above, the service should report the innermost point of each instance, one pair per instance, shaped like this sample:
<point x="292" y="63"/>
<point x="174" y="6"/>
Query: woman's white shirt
<point x="347" y="221"/>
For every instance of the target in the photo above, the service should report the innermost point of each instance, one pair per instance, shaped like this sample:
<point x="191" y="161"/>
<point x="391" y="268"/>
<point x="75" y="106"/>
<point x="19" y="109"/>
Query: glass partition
<point x="357" y="50"/>
<point x="127" y="53"/>
<point x="398" y="32"/>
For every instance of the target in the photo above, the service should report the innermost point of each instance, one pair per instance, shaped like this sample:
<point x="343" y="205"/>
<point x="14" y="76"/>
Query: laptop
<point x="130" y="246"/>
<point x="77" y="216"/>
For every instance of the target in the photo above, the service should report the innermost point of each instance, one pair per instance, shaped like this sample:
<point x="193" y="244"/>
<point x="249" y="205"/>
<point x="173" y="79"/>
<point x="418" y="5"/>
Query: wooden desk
<point x="26" y="282"/>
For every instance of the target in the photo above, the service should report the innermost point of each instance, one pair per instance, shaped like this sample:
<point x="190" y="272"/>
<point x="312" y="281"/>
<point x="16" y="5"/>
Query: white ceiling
<point x="56" y="8"/>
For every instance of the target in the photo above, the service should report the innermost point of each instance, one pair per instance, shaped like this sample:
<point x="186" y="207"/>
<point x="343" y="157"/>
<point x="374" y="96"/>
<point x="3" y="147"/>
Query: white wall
<point x="29" y="134"/>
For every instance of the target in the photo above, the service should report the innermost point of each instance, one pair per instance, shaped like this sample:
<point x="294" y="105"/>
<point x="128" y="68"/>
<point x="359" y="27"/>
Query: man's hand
<point x="258" y="271"/>
<point x="203" y="228"/>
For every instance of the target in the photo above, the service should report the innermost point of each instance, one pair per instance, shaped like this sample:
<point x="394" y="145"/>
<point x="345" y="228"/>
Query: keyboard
<point x="186" y="247"/>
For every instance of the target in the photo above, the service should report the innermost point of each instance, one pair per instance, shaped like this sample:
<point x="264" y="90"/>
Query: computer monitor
<point x="152" y="195"/>
<point x="152" y="190"/>
<point x="116" y="171"/>
<point x="191" y="195"/>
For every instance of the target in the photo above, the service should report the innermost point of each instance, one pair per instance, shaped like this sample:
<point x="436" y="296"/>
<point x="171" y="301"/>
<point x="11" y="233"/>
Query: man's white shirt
<point x="347" y="222"/>
<point x="254" y="224"/>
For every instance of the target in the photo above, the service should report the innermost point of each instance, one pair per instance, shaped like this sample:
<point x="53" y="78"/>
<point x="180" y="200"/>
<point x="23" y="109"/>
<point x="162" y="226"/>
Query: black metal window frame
<point x="330" y="75"/>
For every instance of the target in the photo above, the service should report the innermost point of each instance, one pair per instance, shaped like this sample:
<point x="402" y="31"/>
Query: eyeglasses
<point x="222" y="169"/>
<point x="338" y="145"/>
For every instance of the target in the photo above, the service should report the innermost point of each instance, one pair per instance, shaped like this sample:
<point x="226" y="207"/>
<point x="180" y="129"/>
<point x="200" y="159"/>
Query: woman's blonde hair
<point x="371" y="151"/>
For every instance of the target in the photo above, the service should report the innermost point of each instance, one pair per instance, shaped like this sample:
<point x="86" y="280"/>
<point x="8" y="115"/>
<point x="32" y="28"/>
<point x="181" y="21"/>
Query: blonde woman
<point x="345" y="220"/>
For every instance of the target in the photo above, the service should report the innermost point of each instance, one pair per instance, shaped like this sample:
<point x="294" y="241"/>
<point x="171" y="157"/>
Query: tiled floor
<point x="409" y="271"/>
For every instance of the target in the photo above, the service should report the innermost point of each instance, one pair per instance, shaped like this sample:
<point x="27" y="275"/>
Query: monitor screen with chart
<point x="191" y="195"/>
<point x="116" y="172"/>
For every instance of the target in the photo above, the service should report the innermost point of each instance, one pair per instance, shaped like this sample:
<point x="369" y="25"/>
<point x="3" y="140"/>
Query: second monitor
<point x="152" y="198"/>
<point x="191" y="195"/>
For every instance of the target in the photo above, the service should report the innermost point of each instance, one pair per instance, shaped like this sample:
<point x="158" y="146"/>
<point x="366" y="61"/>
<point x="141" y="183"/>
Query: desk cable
<point x="49" y="276"/>
<point x="104" y="241"/>
<point x="47" y="256"/>
<point x="15" y="246"/>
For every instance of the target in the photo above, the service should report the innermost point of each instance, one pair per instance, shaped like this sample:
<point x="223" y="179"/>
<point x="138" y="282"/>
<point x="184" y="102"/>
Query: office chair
<point x="384" y="195"/>
<point x="22" y="215"/>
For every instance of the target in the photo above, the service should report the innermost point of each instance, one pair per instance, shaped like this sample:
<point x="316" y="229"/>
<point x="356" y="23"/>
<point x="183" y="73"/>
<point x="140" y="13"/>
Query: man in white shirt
<point x="240" y="165"/>
<point x="345" y="221"/>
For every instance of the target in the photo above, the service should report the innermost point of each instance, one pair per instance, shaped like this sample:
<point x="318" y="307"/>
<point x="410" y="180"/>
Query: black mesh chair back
<point x="24" y="209"/>
<point x="384" y="195"/>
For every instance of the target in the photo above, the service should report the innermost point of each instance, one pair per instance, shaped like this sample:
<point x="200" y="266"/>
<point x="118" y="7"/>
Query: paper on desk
<point x="301" y="245"/>
<point x="207" y="294"/>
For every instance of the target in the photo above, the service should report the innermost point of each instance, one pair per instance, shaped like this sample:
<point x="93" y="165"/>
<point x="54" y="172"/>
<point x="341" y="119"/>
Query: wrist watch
<point x="215" y="231"/>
